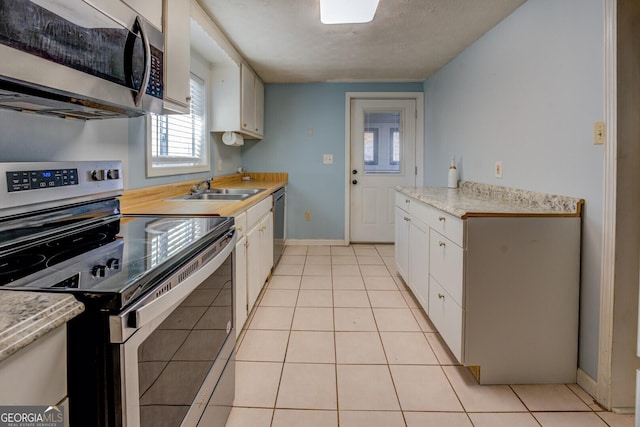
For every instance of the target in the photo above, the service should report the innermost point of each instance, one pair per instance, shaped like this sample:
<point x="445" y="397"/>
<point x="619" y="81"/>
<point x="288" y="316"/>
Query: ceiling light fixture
<point x="347" y="11"/>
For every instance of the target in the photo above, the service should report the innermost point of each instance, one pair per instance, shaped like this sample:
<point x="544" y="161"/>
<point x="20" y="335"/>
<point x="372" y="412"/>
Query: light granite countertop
<point x="474" y="199"/>
<point x="28" y="316"/>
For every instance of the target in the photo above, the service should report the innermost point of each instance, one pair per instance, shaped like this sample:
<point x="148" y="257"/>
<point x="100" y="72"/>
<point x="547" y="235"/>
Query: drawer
<point x="241" y="225"/>
<point x="403" y="201"/>
<point x="446" y="264"/>
<point x="255" y="213"/>
<point x="446" y="224"/>
<point x="447" y="317"/>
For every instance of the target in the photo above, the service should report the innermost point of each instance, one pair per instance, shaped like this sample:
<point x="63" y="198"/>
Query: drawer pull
<point x="407" y="219"/>
<point x="407" y="201"/>
<point x="441" y="243"/>
<point x="239" y="228"/>
<point x="441" y="218"/>
<point x="441" y="296"/>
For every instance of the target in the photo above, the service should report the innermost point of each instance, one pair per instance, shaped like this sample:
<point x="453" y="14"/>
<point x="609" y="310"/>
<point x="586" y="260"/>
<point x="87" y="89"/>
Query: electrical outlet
<point x="598" y="133"/>
<point x="327" y="159"/>
<point x="307" y="216"/>
<point x="498" y="169"/>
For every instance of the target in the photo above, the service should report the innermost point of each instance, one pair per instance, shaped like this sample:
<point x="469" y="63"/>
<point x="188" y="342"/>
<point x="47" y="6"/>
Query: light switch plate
<point x="598" y="133"/>
<point x="327" y="159"/>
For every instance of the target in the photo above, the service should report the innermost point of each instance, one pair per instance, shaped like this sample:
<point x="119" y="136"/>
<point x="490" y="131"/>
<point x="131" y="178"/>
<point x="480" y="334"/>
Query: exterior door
<point x="383" y="156"/>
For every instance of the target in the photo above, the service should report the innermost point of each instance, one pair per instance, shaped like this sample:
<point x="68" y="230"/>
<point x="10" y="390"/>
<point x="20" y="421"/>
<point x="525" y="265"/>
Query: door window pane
<point x="371" y="146"/>
<point x="382" y="142"/>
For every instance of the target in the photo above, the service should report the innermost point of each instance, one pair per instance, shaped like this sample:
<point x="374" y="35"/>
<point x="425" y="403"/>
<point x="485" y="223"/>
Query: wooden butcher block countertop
<point x="157" y="200"/>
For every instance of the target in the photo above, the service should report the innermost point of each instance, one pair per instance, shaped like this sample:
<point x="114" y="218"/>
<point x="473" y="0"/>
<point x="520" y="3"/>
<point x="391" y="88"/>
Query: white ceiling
<point x="408" y="40"/>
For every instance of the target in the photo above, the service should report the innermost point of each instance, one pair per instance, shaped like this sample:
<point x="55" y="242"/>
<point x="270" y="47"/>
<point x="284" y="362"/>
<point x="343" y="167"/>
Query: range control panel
<point x="29" y="186"/>
<point x="35" y="180"/>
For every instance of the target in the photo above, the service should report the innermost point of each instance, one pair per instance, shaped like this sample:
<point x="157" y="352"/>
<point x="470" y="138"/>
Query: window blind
<point x="178" y="140"/>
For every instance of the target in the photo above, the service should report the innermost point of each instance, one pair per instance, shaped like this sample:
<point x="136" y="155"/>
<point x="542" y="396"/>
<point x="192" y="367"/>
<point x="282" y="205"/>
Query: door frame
<point x="419" y="178"/>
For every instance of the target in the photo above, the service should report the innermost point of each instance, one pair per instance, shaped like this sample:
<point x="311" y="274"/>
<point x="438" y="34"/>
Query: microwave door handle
<point x="147" y="61"/>
<point x="138" y="28"/>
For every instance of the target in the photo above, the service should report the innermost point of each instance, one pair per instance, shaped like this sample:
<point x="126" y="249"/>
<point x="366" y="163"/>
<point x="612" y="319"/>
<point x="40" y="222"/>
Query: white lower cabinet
<point x="447" y="316"/>
<point x="240" y="284"/>
<point x="254" y="257"/>
<point x="503" y="291"/>
<point x="402" y="243"/>
<point x="37" y="374"/>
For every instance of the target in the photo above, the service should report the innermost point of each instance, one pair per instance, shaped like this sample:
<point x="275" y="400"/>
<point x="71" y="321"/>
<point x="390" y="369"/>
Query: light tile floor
<point x="337" y="339"/>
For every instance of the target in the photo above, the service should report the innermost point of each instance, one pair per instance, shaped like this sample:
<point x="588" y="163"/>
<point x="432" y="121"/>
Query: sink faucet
<point x="196" y="187"/>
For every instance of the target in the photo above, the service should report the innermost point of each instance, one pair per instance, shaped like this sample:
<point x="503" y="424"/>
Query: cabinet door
<point x="446" y="264"/>
<point x="151" y="10"/>
<point x="177" y="92"/>
<point x="419" y="261"/>
<point x="248" y="99"/>
<point x="266" y="245"/>
<point x="402" y="243"/>
<point x="254" y="273"/>
<point x="240" y="284"/>
<point x="446" y="315"/>
<point x="259" y="107"/>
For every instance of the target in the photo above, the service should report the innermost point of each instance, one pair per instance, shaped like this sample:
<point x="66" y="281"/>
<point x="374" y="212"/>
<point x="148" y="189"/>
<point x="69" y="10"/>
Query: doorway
<point x="384" y="146"/>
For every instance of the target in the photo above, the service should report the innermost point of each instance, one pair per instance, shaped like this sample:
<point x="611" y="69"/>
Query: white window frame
<point x="154" y="169"/>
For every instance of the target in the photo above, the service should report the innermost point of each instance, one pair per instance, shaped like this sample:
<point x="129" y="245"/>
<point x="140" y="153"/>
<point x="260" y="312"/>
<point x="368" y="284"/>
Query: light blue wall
<point x="290" y="110"/>
<point x="528" y="93"/>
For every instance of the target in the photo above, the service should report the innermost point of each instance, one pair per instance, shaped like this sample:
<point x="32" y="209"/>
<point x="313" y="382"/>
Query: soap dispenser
<point x="453" y="174"/>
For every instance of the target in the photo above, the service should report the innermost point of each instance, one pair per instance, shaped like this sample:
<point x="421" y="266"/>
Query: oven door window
<point x="176" y="358"/>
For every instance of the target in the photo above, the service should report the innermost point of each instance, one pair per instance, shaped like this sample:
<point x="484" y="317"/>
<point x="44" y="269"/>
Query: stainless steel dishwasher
<point x="279" y="199"/>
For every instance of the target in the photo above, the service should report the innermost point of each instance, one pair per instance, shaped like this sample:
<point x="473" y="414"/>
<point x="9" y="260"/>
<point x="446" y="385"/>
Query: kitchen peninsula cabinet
<point x="499" y="279"/>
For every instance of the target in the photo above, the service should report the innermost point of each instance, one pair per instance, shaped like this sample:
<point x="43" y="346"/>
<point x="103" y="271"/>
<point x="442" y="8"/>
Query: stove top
<point x="113" y="261"/>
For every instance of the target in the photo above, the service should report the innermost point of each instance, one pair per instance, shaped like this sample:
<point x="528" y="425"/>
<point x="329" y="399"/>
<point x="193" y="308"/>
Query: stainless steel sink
<point x="221" y="194"/>
<point x="243" y="191"/>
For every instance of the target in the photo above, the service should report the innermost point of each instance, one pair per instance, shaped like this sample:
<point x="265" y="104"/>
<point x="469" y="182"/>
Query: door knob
<point x="355" y="171"/>
<point x="354" y="182"/>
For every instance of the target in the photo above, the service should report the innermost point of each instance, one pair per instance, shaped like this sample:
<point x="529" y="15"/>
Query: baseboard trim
<point x="315" y="242"/>
<point x="587" y="383"/>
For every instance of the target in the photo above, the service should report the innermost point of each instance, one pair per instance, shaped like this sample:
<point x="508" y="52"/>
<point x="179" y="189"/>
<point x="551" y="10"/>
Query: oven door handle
<point x="156" y="310"/>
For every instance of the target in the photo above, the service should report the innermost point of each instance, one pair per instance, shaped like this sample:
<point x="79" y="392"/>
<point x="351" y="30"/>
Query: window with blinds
<point x="178" y="141"/>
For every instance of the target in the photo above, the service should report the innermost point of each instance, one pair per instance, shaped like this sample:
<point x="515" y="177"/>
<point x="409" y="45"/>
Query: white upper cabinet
<point x="252" y="101"/>
<point x="151" y="10"/>
<point x="237" y="101"/>
<point x="177" y="93"/>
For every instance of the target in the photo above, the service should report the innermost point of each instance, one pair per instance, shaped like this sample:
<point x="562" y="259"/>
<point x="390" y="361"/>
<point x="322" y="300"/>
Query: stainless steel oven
<point x="172" y="345"/>
<point x="154" y="346"/>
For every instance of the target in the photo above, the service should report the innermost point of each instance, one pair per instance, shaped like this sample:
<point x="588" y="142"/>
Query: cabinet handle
<point x="407" y="201"/>
<point x="441" y="296"/>
<point x="441" y="243"/>
<point x="246" y="244"/>
<point x="239" y="228"/>
<point x="407" y="219"/>
<point x="441" y="218"/>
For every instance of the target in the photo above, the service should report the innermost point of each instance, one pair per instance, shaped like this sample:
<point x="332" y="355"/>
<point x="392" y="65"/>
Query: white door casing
<point x="372" y="185"/>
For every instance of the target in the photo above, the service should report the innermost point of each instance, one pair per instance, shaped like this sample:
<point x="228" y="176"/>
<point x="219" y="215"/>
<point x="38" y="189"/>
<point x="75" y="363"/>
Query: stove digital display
<point x="36" y="180"/>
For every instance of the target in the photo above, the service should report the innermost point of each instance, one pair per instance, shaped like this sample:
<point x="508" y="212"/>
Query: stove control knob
<point x="113" y="173"/>
<point x="99" y="175"/>
<point x="113" y="264"/>
<point x="99" y="271"/>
